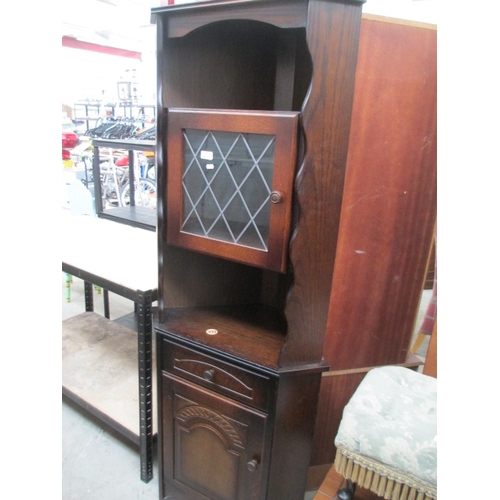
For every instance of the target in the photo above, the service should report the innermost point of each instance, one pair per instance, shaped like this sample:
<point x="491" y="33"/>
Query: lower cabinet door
<point x="213" y="447"/>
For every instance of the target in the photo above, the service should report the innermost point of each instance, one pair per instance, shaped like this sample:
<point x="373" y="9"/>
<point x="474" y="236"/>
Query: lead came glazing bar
<point x="226" y="199"/>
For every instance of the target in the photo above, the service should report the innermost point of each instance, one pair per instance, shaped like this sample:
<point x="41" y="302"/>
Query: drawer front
<point x="215" y="374"/>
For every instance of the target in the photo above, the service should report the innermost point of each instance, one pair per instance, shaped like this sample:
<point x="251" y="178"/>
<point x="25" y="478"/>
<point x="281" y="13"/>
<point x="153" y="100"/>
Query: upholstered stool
<point x="387" y="439"/>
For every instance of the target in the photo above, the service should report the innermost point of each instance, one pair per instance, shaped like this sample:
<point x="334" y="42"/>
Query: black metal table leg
<point x="96" y="170"/>
<point x="106" y="303"/>
<point x="89" y="296"/>
<point x="145" y="352"/>
<point x="131" y="177"/>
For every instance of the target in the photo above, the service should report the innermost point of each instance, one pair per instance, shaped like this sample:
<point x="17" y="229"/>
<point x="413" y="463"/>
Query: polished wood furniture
<point x="240" y="341"/>
<point x="388" y="214"/>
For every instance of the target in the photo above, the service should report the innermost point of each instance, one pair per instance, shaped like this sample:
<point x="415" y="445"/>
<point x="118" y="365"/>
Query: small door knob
<point x="208" y="375"/>
<point x="276" y="197"/>
<point x="252" y="465"/>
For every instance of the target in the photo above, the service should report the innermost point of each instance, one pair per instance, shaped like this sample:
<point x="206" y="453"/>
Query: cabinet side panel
<point x="389" y="207"/>
<point x="160" y="156"/>
<point x="296" y="405"/>
<point x="335" y="392"/>
<point x="332" y="36"/>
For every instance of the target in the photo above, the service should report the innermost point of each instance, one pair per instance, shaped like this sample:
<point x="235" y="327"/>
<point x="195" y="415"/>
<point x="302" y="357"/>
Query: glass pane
<point x="227" y="181"/>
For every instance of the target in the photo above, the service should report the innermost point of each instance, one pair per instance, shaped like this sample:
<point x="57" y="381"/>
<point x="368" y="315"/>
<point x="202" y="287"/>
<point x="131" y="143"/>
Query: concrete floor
<point x="97" y="463"/>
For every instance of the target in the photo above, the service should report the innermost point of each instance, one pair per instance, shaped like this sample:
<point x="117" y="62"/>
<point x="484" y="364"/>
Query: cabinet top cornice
<point x="184" y="18"/>
<point x="225" y="4"/>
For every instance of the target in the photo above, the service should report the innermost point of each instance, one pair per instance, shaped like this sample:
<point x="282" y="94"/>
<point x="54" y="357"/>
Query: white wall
<point x="93" y="75"/>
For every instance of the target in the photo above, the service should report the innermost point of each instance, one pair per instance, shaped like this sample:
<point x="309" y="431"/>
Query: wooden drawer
<point x="225" y="378"/>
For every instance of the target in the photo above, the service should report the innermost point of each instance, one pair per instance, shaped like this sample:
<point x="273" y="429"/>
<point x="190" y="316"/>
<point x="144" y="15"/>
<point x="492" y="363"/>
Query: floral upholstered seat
<point x="387" y="439"/>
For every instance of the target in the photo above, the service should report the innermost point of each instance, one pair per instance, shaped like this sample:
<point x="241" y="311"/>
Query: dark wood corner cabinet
<point x="254" y="108"/>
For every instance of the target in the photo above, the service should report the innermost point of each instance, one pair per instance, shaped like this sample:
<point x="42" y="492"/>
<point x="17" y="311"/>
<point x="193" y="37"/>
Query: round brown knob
<point x="208" y="375"/>
<point x="252" y="465"/>
<point x="276" y="197"/>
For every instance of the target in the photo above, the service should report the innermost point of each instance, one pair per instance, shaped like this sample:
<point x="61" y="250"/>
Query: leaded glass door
<point x="230" y="177"/>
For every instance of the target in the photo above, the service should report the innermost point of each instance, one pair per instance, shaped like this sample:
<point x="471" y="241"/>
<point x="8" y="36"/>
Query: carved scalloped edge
<point x="190" y="413"/>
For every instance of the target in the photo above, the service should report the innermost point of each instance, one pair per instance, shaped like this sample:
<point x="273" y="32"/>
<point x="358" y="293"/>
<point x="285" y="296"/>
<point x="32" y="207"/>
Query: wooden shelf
<point x="100" y="372"/>
<point x="253" y="334"/>
<point x="141" y="217"/>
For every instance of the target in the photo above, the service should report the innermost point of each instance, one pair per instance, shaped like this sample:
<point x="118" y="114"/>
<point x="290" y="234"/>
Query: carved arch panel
<point x="216" y="445"/>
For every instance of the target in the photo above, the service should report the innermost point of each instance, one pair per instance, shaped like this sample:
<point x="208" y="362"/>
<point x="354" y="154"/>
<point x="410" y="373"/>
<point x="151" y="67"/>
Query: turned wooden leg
<point x="346" y="491"/>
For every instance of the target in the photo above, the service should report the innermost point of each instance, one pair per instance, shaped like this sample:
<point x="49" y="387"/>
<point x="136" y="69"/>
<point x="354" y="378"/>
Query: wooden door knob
<point x="276" y="197"/>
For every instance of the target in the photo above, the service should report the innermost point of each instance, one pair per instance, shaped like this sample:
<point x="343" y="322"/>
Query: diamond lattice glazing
<point x="226" y="182"/>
